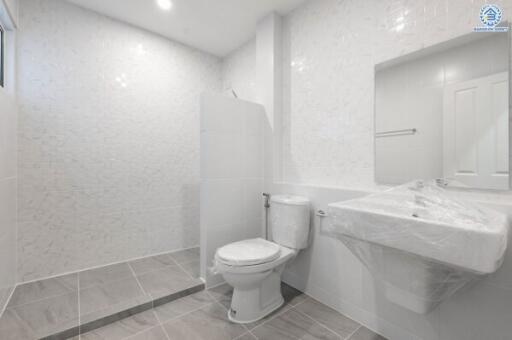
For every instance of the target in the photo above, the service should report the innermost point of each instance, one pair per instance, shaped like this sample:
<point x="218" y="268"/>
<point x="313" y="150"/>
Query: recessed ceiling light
<point x="164" y="4"/>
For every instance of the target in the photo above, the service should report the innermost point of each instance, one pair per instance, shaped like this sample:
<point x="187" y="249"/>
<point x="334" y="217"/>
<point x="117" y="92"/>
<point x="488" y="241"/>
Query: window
<point x="2" y="34"/>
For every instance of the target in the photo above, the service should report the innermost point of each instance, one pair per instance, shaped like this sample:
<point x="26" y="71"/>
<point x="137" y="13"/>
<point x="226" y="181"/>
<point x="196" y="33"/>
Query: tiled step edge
<point x="103" y="321"/>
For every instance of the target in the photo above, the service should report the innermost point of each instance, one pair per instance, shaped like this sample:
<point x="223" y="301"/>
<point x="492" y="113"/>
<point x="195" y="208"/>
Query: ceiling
<point x="214" y="26"/>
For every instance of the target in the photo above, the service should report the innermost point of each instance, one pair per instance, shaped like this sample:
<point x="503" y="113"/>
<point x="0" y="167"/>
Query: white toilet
<point x="254" y="267"/>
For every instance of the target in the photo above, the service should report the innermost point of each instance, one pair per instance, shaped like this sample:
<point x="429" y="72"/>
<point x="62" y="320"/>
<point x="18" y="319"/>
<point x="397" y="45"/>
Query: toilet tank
<point x="289" y="220"/>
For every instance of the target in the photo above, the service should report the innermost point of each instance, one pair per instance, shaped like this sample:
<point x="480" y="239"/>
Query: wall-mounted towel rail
<point x="393" y="133"/>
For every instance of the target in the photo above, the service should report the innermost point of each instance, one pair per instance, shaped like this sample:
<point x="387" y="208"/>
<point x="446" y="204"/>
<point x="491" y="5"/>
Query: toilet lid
<point x="248" y="252"/>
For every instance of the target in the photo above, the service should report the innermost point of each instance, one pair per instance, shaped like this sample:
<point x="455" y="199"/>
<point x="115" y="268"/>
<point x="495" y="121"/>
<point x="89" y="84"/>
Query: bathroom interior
<point x="257" y="169"/>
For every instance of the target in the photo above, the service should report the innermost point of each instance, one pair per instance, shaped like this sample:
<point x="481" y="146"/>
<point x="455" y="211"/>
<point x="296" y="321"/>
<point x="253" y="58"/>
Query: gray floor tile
<point x="192" y="268"/>
<point x="33" y="291"/>
<point x="223" y="294"/>
<point x="148" y="264"/>
<point x="13" y="328"/>
<point x="163" y="282"/>
<point x="284" y="308"/>
<point x="5" y="294"/>
<point x="114" y="293"/>
<point x="104" y="275"/>
<point x="293" y="325"/>
<point x="364" y="333"/>
<point x="114" y="313"/>
<point x="291" y="295"/>
<point x="182" y="306"/>
<point x="124" y="328"/>
<point x="328" y="317"/>
<point x="49" y="316"/>
<point x="208" y="323"/>
<point x="155" y="333"/>
<point x="187" y="255"/>
<point x="246" y="336"/>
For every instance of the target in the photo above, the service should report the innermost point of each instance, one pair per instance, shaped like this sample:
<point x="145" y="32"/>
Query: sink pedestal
<point x="408" y="280"/>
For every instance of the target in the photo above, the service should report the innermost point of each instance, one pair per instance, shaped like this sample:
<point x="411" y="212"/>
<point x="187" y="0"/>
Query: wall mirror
<point x="443" y="112"/>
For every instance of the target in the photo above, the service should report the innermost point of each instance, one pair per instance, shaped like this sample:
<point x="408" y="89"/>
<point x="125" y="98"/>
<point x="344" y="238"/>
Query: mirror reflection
<point x="443" y="112"/>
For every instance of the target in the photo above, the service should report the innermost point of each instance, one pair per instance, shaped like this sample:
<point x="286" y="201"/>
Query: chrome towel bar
<point x="393" y="133"/>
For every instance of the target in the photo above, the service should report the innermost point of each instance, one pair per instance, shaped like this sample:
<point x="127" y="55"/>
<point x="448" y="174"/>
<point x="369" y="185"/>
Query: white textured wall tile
<point x="239" y="72"/>
<point x="109" y="139"/>
<point x="331" y="48"/>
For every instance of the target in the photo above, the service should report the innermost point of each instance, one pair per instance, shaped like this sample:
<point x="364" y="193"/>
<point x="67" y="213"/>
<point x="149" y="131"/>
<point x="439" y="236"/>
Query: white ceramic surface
<point x="428" y="222"/>
<point x="257" y="287"/>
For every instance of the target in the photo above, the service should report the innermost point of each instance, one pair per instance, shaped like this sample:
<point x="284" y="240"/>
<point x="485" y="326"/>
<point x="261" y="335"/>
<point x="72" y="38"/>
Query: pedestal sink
<point x="420" y="242"/>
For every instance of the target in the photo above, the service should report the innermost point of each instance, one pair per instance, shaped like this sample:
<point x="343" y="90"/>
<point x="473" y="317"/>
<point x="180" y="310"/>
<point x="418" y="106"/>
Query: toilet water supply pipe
<point x="267" y="206"/>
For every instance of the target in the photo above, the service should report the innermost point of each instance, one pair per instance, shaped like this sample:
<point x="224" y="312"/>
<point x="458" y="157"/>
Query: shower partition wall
<point x="8" y="187"/>
<point x="232" y="172"/>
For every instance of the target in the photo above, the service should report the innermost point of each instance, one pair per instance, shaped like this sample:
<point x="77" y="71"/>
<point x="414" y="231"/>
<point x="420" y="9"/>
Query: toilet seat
<point x="248" y="252"/>
<point x="284" y="256"/>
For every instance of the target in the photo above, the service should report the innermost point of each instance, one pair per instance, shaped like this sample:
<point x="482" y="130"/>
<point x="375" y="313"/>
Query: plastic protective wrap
<point x="420" y="240"/>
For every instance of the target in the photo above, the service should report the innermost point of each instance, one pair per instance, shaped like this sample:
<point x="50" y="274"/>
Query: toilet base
<point x="252" y="302"/>
<point x="264" y="312"/>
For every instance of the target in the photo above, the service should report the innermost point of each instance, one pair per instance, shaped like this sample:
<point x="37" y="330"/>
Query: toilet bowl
<point x="253" y="267"/>
<point x="257" y="285"/>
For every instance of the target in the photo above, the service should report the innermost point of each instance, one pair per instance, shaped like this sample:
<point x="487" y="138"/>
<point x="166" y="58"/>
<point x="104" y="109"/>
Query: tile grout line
<point x="38" y="300"/>
<point x="254" y="335"/>
<point x="243" y="334"/>
<point x="142" y="331"/>
<point x="241" y="324"/>
<point x="23" y="323"/>
<point x="79" y="309"/>
<point x="354" y="332"/>
<point x="180" y="264"/>
<point x="348" y="338"/>
<point x="160" y="322"/>
<point x="213" y="297"/>
<point x="324" y="326"/>
<point x="132" y="272"/>
<point x="8" y="300"/>
<point x="187" y="313"/>
<point x="103" y="265"/>
<point x="277" y="315"/>
<point x="138" y="282"/>
<point x="186" y="272"/>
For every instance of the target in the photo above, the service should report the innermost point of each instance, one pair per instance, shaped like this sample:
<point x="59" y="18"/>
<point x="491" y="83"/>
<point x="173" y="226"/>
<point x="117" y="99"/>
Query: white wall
<point x="109" y="140"/>
<point x="239" y="72"/>
<point x="331" y="49"/>
<point x="12" y="9"/>
<point x="8" y="187"/>
<point x="410" y="95"/>
<point x="232" y="170"/>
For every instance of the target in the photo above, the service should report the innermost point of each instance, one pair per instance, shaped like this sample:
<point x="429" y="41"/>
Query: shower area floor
<point x="159" y="298"/>
<point x="65" y="306"/>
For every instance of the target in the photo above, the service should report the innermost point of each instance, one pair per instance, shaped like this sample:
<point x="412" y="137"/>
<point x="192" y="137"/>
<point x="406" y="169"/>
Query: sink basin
<point x="423" y="219"/>
<point x="421" y="240"/>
